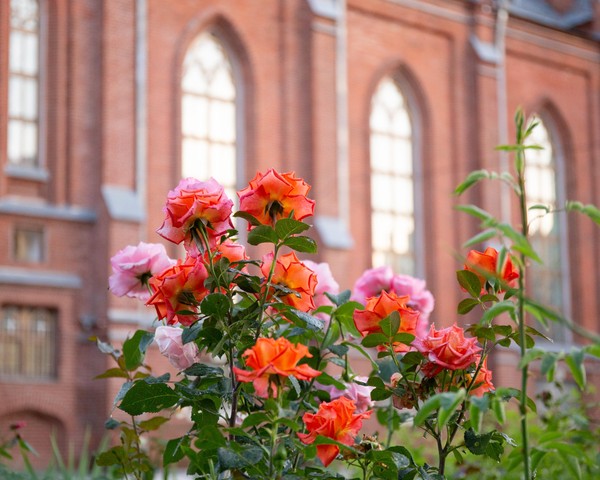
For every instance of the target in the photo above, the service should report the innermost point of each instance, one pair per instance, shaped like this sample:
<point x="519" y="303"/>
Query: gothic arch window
<point x="209" y="114"/>
<point x="544" y="186"/>
<point x="393" y="192"/>
<point x="24" y="84"/>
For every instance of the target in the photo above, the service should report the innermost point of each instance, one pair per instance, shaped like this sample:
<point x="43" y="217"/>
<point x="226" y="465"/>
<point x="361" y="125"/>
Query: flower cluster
<point x="282" y="326"/>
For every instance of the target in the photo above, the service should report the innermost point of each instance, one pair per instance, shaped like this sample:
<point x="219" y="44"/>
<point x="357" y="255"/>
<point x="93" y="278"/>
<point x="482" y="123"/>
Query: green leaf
<point x="339" y="299"/>
<point x="575" y="362"/>
<point x="174" y="451"/>
<point x="531" y="355"/>
<point x="390" y="325"/>
<point x="262" y="234"/>
<point x="255" y="419"/>
<point x="301" y="244"/>
<point x="481" y="237"/>
<point x="548" y="365"/>
<point x="449" y="402"/>
<point x="153" y="423"/>
<point x="466" y="305"/>
<point x="216" y="305"/>
<point x="114" y="456"/>
<point x="326" y="379"/>
<point x="470" y="282"/>
<point x="475" y="211"/>
<point x="313" y="323"/>
<point x="251" y="219"/>
<point x="505" y="306"/>
<point x="242" y="456"/>
<point x="339" y="350"/>
<point x="144" y="397"/>
<point x="363" y="352"/>
<point x="287" y="227"/>
<point x="429" y="406"/>
<point x="113" y="373"/>
<point x="134" y="348"/>
<point x="374" y="340"/>
<point x="499" y="410"/>
<point x="202" y="370"/>
<point x="380" y="394"/>
<point x="471" y="180"/>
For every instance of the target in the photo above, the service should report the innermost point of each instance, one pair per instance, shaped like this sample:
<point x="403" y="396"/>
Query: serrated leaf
<point x="340" y="298"/>
<point x="255" y="419"/>
<point x="202" y="370"/>
<point x="246" y="456"/>
<point x="374" y="340"/>
<point x="497" y="309"/>
<point x="466" y="305"/>
<point x="289" y="226"/>
<point x="134" y="348"/>
<point x="251" y="219"/>
<point x="470" y="282"/>
<point x="262" y="234"/>
<point x="216" y="305"/>
<point x="174" y="451"/>
<point x="301" y="244"/>
<point x="153" y="423"/>
<point x="144" y="397"/>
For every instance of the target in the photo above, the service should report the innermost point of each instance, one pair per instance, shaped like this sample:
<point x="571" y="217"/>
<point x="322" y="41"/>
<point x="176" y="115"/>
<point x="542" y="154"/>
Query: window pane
<point x="209" y="114"/>
<point x="392" y="183"/>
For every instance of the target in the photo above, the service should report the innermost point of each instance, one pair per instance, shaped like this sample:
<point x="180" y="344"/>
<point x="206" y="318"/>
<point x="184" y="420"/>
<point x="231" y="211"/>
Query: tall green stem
<point x="521" y="311"/>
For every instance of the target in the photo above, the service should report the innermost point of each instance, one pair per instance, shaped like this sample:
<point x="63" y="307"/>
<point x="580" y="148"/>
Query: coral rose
<point x="335" y="420"/>
<point x="368" y="321"/>
<point x="133" y="266"/>
<point x="270" y="359"/>
<point x="272" y="195"/>
<point x="485" y="266"/>
<point x="483" y="381"/>
<point x="194" y="201"/>
<point x="447" y="348"/>
<point x="180" y="287"/>
<point x="171" y="346"/>
<point x="291" y="273"/>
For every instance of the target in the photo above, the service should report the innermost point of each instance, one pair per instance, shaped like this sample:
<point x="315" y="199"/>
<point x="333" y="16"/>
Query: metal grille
<point x="27" y="342"/>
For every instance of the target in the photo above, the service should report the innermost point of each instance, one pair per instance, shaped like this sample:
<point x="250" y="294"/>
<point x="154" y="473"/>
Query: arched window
<point x="23" y="83"/>
<point x="208" y="114"/>
<point x="393" y="203"/>
<point x="548" y="282"/>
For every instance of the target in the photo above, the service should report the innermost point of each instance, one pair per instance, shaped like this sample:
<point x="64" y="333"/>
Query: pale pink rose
<point x="371" y="283"/>
<point x="171" y="346"/>
<point x="421" y="299"/>
<point x="360" y="394"/>
<point x="325" y="282"/>
<point x="195" y="201"/>
<point x="133" y="266"/>
<point x="447" y="348"/>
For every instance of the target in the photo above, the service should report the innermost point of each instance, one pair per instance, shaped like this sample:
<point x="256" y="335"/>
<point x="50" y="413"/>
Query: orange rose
<point x="291" y="273"/>
<point x="192" y="201"/>
<point x="335" y="420"/>
<point x="180" y="287"/>
<point x="485" y="266"/>
<point x="272" y="195"/>
<point x="483" y="381"/>
<point x="377" y="308"/>
<point x="447" y="348"/>
<point x="269" y="358"/>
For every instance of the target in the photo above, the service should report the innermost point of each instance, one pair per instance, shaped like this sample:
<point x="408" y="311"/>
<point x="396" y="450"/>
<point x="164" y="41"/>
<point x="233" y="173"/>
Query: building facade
<point x="383" y="106"/>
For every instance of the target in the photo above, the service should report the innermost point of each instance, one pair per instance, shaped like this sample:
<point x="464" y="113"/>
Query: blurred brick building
<point x="383" y="106"/>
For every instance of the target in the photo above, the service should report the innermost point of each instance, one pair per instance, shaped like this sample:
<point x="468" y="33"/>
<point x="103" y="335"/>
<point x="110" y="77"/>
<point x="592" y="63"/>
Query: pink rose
<point x="447" y="348"/>
<point x="171" y="346"/>
<point x="192" y="201"/>
<point x="360" y="394"/>
<point x="133" y="266"/>
<point x="325" y="282"/>
<point x="371" y="283"/>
